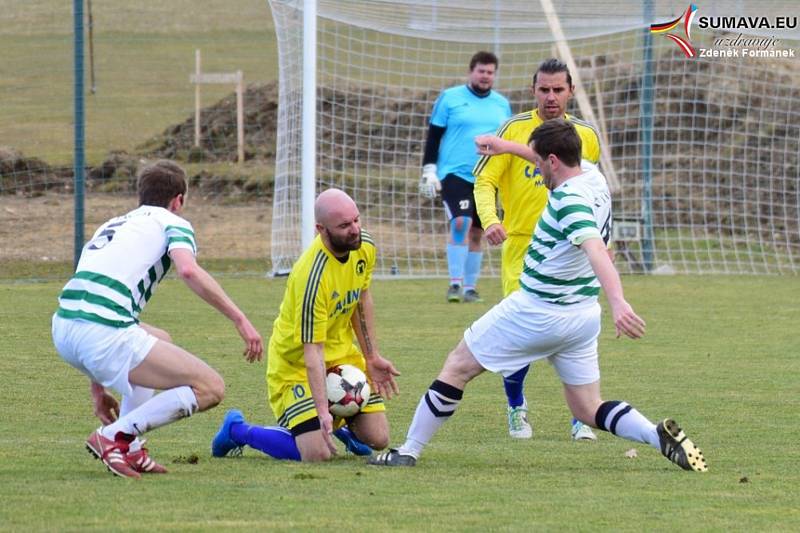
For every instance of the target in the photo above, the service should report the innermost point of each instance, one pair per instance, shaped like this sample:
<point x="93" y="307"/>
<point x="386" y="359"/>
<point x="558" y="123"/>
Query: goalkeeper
<point x="506" y="167"/>
<point x="459" y="114"/>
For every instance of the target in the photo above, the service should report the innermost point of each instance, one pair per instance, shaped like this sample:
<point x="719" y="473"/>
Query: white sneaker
<point x="518" y="426"/>
<point x="581" y="431"/>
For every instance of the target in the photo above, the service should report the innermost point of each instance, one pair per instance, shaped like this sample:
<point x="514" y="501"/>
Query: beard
<point x="481" y="90"/>
<point x="342" y="245"/>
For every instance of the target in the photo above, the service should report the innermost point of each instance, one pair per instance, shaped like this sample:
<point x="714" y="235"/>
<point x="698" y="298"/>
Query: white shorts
<point x="522" y="329"/>
<point x="105" y="354"/>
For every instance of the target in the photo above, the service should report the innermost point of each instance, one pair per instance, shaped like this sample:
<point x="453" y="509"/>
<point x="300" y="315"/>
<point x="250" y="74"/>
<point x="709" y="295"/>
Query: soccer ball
<point x="348" y="390"/>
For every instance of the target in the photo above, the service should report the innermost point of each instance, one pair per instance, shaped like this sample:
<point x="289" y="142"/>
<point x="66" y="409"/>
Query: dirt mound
<point x="29" y="176"/>
<point x="218" y="130"/>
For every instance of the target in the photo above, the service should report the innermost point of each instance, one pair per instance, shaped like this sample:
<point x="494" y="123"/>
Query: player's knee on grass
<point x="312" y="447"/>
<point x="371" y="429"/>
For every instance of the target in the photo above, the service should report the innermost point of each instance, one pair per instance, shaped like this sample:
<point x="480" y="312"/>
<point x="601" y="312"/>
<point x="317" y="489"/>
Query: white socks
<point x="160" y="410"/>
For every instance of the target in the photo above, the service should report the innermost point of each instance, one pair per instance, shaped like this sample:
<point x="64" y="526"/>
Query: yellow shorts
<point x="292" y="404"/>
<point x="513" y="255"/>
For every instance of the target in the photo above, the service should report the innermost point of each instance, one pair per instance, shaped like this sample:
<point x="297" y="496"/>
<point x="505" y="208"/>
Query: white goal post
<point x="706" y="150"/>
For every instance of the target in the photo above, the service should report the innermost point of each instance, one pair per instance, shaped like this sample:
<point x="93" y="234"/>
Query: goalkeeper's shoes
<point x="141" y="461"/>
<point x="677" y="447"/>
<point x="351" y="442"/>
<point x="472" y="296"/>
<point x="454" y="293"/>
<point x="223" y="444"/>
<point x="581" y="431"/>
<point x="518" y="425"/>
<point x="113" y="454"/>
<point x="392" y="457"/>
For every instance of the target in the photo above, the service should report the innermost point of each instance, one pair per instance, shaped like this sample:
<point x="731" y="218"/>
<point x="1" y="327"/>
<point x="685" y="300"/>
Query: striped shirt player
<point x="558" y="285"/>
<point x="321" y="295"/>
<point x="107" y="291"/>
<point x="513" y="174"/>
<point x="97" y="330"/>
<point x="555" y="316"/>
<point x="522" y="192"/>
<point x="555" y="269"/>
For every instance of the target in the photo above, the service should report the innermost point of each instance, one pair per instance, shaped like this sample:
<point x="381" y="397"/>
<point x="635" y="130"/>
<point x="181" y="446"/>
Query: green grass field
<point x="720" y="356"/>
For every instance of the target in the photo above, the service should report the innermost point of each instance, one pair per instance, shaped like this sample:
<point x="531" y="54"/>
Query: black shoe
<point x="472" y="296"/>
<point x="392" y="458"/>
<point x="454" y="293"/>
<point x="677" y="447"/>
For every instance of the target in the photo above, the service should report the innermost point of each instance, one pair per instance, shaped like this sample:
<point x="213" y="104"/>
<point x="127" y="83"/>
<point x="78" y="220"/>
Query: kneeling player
<point x="327" y="299"/>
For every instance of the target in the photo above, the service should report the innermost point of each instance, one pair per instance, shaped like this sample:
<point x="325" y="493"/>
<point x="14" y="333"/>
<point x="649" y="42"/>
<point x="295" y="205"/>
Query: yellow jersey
<point x="520" y="184"/>
<point x="321" y="295"/>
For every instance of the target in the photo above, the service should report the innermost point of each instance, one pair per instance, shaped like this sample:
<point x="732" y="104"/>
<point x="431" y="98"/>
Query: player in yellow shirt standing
<point x="327" y="301"/>
<point x="506" y="167"/>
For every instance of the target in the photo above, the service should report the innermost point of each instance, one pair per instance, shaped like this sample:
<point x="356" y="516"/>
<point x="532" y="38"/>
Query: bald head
<point x="331" y="204"/>
<point x="338" y="221"/>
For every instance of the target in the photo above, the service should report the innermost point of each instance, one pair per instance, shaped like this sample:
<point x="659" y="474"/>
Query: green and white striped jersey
<point x="555" y="269"/>
<point x="121" y="266"/>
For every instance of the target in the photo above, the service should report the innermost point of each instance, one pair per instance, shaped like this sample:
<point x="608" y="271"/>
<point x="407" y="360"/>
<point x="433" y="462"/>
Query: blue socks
<point x="456" y="259"/>
<point x="513" y="385"/>
<point x="274" y="441"/>
<point x="472" y="269"/>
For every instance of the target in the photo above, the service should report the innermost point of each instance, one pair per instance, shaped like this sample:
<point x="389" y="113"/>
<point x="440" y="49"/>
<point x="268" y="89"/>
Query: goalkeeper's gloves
<point x="429" y="185"/>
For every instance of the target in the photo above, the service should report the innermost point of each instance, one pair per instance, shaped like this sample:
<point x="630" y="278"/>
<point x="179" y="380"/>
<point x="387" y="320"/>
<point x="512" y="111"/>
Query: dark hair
<point x="484" y="58"/>
<point x="160" y="182"/>
<point x="558" y="137"/>
<point x="553" y="66"/>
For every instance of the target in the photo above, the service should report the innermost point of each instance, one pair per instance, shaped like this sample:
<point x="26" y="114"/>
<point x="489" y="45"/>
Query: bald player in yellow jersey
<point x="506" y="167"/>
<point x="326" y="307"/>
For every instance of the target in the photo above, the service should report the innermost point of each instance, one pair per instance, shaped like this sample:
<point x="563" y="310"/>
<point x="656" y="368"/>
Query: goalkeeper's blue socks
<point x="274" y="441"/>
<point x="472" y="269"/>
<point x="456" y="260"/>
<point x="514" y="385"/>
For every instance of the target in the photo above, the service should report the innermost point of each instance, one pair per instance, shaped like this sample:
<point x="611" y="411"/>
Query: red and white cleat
<point x="112" y="453"/>
<point x="141" y="461"/>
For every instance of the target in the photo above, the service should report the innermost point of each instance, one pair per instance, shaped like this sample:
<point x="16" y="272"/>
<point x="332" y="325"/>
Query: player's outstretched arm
<point x="380" y="370"/>
<point x="314" y="359"/>
<point x="493" y="145"/>
<point x="207" y="288"/>
<point x="625" y="319"/>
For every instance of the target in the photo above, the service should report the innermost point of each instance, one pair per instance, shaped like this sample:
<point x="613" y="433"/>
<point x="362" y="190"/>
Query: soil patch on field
<point x="42" y="228"/>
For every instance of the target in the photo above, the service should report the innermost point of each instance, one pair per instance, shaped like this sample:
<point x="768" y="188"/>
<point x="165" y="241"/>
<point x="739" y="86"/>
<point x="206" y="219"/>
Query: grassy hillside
<point x="143" y="55"/>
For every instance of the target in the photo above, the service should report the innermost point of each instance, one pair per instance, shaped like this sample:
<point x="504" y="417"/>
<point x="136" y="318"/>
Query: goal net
<point x="706" y="150"/>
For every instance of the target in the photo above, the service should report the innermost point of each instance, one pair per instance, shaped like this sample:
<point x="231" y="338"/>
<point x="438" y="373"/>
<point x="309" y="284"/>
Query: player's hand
<point x="253" y="345"/>
<point x="106" y="407"/>
<point x="495" y="234"/>
<point x="429" y="185"/>
<point x="490" y="145"/>
<point x="326" y="425"/>
<point x="626" y="321"/>
<point x="382" y="372"/>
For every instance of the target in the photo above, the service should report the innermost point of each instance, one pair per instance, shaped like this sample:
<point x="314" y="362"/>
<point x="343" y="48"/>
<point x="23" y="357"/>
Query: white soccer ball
<point x="348" y="390"/>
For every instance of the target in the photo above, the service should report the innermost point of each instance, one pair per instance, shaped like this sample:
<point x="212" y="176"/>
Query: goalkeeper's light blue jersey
<point x="465" y="115"/>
